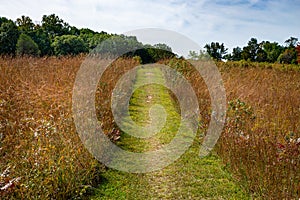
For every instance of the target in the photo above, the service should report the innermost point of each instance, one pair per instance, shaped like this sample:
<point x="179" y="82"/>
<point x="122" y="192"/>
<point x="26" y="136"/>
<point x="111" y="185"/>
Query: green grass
<point x="190" y="177"/>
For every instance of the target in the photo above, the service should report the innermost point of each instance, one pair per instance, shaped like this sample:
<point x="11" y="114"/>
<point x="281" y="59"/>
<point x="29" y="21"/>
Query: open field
<point x="43" y="157"/>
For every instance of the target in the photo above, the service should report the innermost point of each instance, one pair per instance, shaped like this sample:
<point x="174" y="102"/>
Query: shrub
<point x="68" y="45"/>
<point x="26" y="46"/>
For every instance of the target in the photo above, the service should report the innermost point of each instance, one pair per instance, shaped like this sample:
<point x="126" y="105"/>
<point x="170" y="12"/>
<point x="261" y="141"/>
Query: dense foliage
<point x="68" y="45"/>
<point x="255" y="51"/>
<point x="53" y="36"/>
<point x="26" y="46"/>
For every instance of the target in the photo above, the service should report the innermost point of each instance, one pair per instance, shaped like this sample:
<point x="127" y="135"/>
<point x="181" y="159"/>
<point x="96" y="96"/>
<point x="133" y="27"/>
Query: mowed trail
<point x="189" y="177"/>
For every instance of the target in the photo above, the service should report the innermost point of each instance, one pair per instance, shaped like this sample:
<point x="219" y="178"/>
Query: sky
<point x="232" y="22"/>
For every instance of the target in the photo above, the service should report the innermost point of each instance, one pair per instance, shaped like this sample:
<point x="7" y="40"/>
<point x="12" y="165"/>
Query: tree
<point x="148" y="53"/>
<point x="158" y="52"/>
<point x="254" y="51"/>
<point x="86" y="31"/>
<point x="9" y="35"/>
<point x="68" y="44"/>
<point x="298" y="53"/>
<point x="26" y="46"/>
<point x="3" y="20"/>
<point x="216" y="50"/>
<point x="163" y="47"/>
<point x="40" y="37"/>
<point x="250" y="52"/>
<point x="261" y="55"/>
<point x="93" y="40"/>
<point x="289" y="56"/>
<point x="72" y="30"/>
<point x="25" y="24"/>
<point x="273" y="50"/>
<point x="291" y="42"/>
<point x="236" y="54"/>
<point x="118" y="45"/>
<point x="54" y="26"/>
<point x="202" y="55"/>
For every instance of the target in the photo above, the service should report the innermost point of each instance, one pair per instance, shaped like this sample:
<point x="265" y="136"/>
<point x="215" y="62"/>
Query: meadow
<point x="42" y="156"/>
<point x="260" y="141"/>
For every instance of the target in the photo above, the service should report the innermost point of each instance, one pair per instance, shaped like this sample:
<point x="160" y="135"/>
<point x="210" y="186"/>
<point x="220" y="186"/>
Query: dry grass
<point x="261" y="139"/>
<point x="40" y="145"/>
<point x="42" y="156"/>
<point x="104" y="91"/>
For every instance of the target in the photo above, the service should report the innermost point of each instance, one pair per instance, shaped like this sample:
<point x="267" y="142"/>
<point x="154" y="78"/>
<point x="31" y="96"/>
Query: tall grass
<point x="261" y="139"/>
<point x="42" y="156"/>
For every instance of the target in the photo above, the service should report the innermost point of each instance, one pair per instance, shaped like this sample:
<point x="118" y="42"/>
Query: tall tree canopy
<point x="291" y="42"/>
<point x="68" y="44"/>
<point x="9" y="35"/>
<point x="54" y="26"/>
<point x="236" y="54"/>
<point x="250" y="52"/>
<point x="216" y="50"/>
<point x="54" y="36"/>
<point x="273" y="50"/>
<point x="25" y="24"/>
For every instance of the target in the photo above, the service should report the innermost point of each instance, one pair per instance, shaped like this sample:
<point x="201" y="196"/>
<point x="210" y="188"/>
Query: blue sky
<point x="233" y="22"/>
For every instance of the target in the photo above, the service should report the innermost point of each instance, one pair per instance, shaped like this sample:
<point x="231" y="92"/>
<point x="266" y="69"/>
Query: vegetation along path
<point x="190" y="177"/>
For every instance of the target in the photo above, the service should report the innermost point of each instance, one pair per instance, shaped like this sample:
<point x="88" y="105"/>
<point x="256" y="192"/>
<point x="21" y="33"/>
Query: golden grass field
<point x="42" y="156"/>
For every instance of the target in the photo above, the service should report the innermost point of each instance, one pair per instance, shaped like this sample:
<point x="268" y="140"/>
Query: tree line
<point x="54" y="36"/>
<point x="255" y="51"/>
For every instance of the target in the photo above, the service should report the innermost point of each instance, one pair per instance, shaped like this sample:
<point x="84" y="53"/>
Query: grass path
<point x="190" y="177"/>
